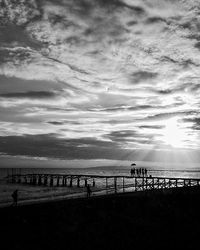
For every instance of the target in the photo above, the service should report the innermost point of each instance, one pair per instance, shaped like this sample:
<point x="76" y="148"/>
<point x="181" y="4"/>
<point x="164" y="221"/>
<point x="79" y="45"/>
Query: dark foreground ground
<point x="152" y="220"/>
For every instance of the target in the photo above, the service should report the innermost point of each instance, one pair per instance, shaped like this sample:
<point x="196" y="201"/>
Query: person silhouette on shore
<point x="89" y="191"/>
<point x="15" y="197"/>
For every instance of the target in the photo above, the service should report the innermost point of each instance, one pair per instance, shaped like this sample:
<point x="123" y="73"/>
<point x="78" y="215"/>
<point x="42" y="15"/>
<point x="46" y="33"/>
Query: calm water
<point x="195" y="173"/>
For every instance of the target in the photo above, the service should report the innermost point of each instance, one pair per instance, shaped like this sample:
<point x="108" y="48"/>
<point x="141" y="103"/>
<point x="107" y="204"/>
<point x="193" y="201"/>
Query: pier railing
<point x="115" y="184"/>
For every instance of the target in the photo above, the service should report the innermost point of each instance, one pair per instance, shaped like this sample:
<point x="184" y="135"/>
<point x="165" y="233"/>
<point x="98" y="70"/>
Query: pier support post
<point x="63" y="181"/>
<point x="51" y="181"/>
<point x="39" y="180"/>
<point x="93" y="183"/>
<point x="78" y="182"/>
<point x="123" y="185"/>
<point x="146" y="183"/>
<point x="13" y="179"/>
<point x="45" y="180"/>
<point x="70" y="184"/>
<point x="169" y="181"/>
<point x="58" y="181"/>
<point x="115" y="184"/>
<point x="106" y="184"/>
<point x="85" y="182"/>
<point x="34" y="180"/>
<point x="153" y="183"/>
<point x="135" y="183"/>
<point x="143" y="186"/>
<point x="19" y="179"/>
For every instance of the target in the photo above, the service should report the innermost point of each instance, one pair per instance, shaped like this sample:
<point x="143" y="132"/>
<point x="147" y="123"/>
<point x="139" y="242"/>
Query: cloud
<point x="142" y="76"/>
<point x="30" y="94"/>
<point x="48" y="145"/>
<point x="115" y="71"/>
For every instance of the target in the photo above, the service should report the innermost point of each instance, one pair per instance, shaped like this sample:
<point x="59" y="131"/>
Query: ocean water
<point x="111" y="171"/>
<point x="29" y="193"/>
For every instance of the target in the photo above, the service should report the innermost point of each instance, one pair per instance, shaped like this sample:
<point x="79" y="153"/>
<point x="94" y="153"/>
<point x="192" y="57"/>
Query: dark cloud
<point x="57" y="123"/>
<point x="155" y="19"/>
<point x="151" y="127"/>
<point x="163" y="116"/>
<point x="122" y="108"/>
<point x="197" y="45"/>
<point x="166" y="91"/>
<point x="12" y="35"/>
<point x="128" y="136"/>
<point x="141" y="76"/>
<point x="132" y="23"/>
<point x="30" y="95"/>
<point x="10" y="84"/>
<point x="48" y="145"/>
<point x="195" y="122"/>
<point x="183" y="62"/>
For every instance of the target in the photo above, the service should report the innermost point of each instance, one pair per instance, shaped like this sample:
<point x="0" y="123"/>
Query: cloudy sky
<point x="99" y="80"/>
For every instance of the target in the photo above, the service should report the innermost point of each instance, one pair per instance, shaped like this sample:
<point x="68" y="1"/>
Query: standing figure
<point x="15" y="197"/>
<point x="89" y="191"/>
<point x="131" y="172"/>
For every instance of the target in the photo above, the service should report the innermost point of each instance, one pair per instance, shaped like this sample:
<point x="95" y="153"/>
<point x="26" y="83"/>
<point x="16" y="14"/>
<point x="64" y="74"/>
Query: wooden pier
<point x="115" y="184"/>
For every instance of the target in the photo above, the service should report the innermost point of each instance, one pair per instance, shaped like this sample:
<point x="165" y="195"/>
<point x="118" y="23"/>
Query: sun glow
<point x="173" y="134"/>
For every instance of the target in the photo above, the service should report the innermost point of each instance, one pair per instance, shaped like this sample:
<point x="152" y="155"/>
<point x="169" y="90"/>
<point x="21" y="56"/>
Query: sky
<point x="99" y="81"/>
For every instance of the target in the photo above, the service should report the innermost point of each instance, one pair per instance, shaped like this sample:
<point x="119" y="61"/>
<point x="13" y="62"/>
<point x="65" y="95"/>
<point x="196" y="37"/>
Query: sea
<point x="30" y="194"/>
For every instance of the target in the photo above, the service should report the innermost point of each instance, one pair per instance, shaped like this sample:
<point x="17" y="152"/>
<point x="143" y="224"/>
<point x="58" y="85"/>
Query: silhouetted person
<point x="15" y="197"/>
<point x="131" y="172"/>
<point x="145" y="171"/>
<point x="89" y="191"/>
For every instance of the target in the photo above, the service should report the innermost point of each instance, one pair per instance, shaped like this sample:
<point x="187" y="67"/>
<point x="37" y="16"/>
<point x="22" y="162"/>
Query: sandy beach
<point x="148" y="220"/>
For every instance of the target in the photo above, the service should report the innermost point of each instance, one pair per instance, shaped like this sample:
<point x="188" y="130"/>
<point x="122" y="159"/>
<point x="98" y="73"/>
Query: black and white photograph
<point x="99" y="124"/>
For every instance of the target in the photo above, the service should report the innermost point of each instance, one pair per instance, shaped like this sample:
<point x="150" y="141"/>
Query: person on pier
<point x="131" y="172"/>
<point x="133" y="169"/>
<point x="89" y="191"/>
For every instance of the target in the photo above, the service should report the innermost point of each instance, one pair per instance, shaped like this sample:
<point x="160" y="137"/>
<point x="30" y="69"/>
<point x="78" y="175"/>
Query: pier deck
<point x="118" y="183"/>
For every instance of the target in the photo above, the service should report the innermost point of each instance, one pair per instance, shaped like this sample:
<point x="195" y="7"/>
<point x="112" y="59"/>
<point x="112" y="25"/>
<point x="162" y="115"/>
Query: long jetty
<point x="118" y="183"/>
